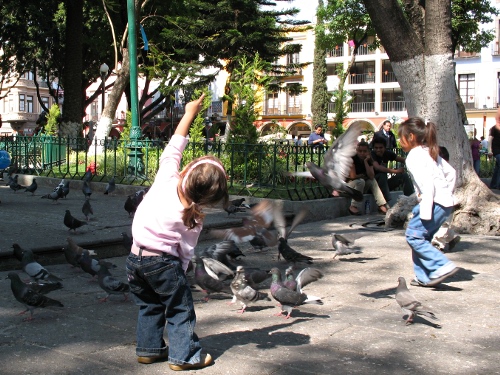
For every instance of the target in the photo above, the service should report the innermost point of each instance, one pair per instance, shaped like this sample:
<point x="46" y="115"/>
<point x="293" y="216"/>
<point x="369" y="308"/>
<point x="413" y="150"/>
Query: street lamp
<point x="104" y="73"/>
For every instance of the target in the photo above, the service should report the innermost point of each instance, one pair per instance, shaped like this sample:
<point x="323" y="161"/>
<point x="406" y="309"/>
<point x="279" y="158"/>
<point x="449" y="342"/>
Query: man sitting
<point x="317" y="139"/>
<point x="398" y="176"/>
<point x="362" y="178"/>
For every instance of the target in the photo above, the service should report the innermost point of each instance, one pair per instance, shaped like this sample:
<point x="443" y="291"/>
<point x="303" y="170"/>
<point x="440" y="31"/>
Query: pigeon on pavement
<point x="56" y="194"/>
<point x="72" y="222"/>
<point x="337" y="164"/>
<point x="109" y="284"/>
<point x="87" y="209"/>
<point x="305" y="277"/>
<point x="73" y="252"/>
<point x="284" y="249"/>
<point x="342" y="243"/>
<point x="65" y="187"/>
<point x="90" y="265"/>
<point x="18" y="252"/>
<point x="28" y="297"/>
<point x="43" y="287"/>
<point x="34" y="269"/>
<point x="32" y="188"/>
<point x="409" y="303"/>
<point x="243" y="292"/>
<point x="86" y="190"/>
<point x="286" y="297"/>
<point x="111" y="186"/>
<point x="134" y="200"/>
<point x="206" y="282"/>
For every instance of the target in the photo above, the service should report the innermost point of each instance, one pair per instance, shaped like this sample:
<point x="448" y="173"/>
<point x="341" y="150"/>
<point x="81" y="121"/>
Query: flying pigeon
<point x="206" y="282"/>
<point x="243" y="292"/>
<point x="286" y="297"/>
<point x="34" y="269"/>
<point x="32" y="188"/>
<point x="29" y="297"/>
<point x="284" y="249"/>
<point x="87" y="208"/>
<point x="342" y="243"/>
<point x="222" y="251"/>
<point x="86" y="190"/>
<point x="305" y="277"/>
<point x="72" y="222"/>
<point x="337" y="164"/>
<point x="409" y="303"/>
<point x="109" y="284"/>
<point x="216" y="269"/>
<point x="111" y="186"/>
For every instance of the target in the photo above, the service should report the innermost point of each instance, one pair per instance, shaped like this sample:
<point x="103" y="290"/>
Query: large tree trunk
<point x="108" y="114"/>
<point x="72" y="75"/>
<point x="423" y="64"/>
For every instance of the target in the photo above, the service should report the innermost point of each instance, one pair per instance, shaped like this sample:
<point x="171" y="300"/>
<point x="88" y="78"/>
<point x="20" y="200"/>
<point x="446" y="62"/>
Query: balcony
<point x="388" y="77"/>
<point x="364" y="49"/>
<point x="295" y="110"/>
<point x="362" y="78"/>
<point x="363" y="107"/>
<point x="337" y="52"/>
<point x="394" y="106"/>
<point x="271" y="112"/>
<point x="19" y="117"/>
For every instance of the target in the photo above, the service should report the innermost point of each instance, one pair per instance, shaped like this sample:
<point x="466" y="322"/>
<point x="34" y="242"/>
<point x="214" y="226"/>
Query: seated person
<point x="317" y="139"/>
<point x="381" y="157"/>
<point x="362" y="178"/>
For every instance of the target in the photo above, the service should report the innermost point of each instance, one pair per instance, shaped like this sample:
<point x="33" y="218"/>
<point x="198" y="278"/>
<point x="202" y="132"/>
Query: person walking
<point x="434" y="182"/>
<point x="166" y="227"/>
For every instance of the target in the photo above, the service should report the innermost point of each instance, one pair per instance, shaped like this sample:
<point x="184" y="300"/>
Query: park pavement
<point x="358" y="330"/>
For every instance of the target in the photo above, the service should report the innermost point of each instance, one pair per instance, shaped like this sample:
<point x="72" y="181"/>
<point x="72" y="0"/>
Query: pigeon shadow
<point x="357" y="259"/>
<point x="384" y="293"/>
<point x="419" y="320"/>
<point x="257" y="308"/>
<point x="307" y="315"/>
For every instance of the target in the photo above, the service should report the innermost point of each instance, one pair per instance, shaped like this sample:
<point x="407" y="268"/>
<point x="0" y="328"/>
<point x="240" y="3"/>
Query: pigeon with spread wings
<point x="337" y="165"/>
<point x="284" y="249"/>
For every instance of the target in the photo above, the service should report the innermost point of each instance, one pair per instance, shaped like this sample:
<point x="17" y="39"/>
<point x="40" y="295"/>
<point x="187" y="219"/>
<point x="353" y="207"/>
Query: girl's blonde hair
<point x="423" y="134"/>
<point x="203" y="183"/>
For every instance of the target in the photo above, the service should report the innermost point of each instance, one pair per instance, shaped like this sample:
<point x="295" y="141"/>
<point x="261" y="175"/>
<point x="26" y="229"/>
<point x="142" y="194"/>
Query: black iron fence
<point x="260" y="170"/>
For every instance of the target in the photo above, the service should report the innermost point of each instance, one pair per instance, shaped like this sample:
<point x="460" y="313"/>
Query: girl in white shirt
<point x="434" y="182"/>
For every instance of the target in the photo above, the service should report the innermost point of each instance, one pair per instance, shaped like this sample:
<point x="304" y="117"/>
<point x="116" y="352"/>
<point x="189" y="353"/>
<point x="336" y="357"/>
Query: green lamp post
<point x="136" y="165"/>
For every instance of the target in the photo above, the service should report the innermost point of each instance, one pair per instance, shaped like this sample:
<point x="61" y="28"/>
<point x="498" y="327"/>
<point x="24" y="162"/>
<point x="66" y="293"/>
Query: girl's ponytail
<point x="431" y="140"/>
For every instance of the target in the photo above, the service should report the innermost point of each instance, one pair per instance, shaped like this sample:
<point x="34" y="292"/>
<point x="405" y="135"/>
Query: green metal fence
<point x="260" y="170"/>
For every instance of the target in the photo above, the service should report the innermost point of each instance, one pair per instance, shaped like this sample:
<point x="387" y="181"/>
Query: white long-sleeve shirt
<point x="434" y="182"/>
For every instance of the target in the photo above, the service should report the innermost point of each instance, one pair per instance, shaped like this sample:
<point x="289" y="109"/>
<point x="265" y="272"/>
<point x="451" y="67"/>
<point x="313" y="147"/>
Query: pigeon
<point x="18" y="252"/>
<point x="29" y="297"/>
<point x="286" y="297"/>
<point x="206" y="282"/>
<point x="56" y="194"/>
<point x="65" y="187"/>
<point x="243" y="292"/>
<point x="34" y="269"/>
<point x="11" y="179"/>
<point x="284" y="249"/>
<point x="305" y="277"/>
<point x="32" y="188"/>
<point x="43" y="287"/>
<point x="86" y="190"/>
<point x="237" y="202"/>
<point x="134" y="200"/>
<point x="261" y="218"/>
<point x="90" y="265"/>
<point x="16" y="187"/>
<point x="71" y="222"/>
<point x="217" y="269"/>
<point x="231" y="209"/>
<point x="222" y="251"/>
<point x="127" y="241"/>
<point x="337" y="164"/>
<point x="111" y="186"/>
<point x="255" y="276"/>
<point x="342" y="243"/>
<point x="87" y="208"/>
<point x="109" y="284"/>
<point x="409" y="303"/>
<point x="87" y="176"/>
<point x="73" y="252"/>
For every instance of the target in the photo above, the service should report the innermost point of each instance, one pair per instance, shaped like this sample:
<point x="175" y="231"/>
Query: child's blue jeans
<point x="427" y="260"/>
<point x="161" y="290"/>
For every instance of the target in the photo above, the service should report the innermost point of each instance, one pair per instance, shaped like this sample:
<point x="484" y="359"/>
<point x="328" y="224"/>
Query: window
<point x="292" y="58"/>
<point x="21" y="103"/>
<point x="387" y="72"/>
<point x="93" y="109"/>
<point x="28" y="75"/>
<point x="45" y="101"/>
<point x="393" y="100"/>
<point x="467" y="89"/>
<point x="272" y="103"/>
<point x="29" y="104"/>
<point x="293" y="98"/>
<point x="331" y="70"/>
<point x="363" y="72"/>
<point x="364" y="101"/>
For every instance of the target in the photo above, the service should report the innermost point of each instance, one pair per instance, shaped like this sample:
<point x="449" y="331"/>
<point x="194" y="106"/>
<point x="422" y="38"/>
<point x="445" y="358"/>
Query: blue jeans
<point x="427" y="260"/>
<point x="495" y="179"/>
<point x="160" y="288"/>
<point x="477" y="165"/>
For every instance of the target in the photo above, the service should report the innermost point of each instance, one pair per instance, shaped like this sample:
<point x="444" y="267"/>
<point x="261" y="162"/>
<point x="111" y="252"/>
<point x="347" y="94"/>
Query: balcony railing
<point x="336" y="52"/>
<point x="394" y="106"/>
<point x="364" y="49"/>
<point x="362" y="78"/>
<point x="296" y="110"/>
<point x="363" y="107"/>
<point x="389" y="77"/>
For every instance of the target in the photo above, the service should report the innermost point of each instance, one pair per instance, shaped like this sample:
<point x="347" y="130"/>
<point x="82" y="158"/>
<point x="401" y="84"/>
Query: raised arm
<point x="192" y="109"/>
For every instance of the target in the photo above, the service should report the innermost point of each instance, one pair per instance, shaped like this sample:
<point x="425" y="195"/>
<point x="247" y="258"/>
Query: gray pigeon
<point x="286" y="297"/>
<point x="43" y="287"/>
<point x="72" y="222"/>
<point x="18" y="252"/>
<point x="65" y="187"/>
<point x="32" y="188"/>
<point x="111" y="186"/>
<point x="86" y="190"/>
<point x="337" y="164"/>
<point x="109" y="284"/>
<point x="305" y="277"/>
<point x="206" y="282"/>
<point x="243" y="292"/>
<point x="217" y="269"/>
<point x="409" y="303"/>
<point x="91" y="265"/>
<point x="34" y="269"/>
<point x="28" y="297"/>
<point x="87" y="208"/>
<point x="56" y="194"/>
<point x="16" y="187"/>
<point x="73" y="252"/>
<point x="222" y="251"/>
<point x="284" y="249"/>
<point x="342" y="243"/>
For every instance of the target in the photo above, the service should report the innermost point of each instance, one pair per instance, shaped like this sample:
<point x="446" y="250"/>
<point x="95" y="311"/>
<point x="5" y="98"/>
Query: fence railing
<point x="260" y="170"/>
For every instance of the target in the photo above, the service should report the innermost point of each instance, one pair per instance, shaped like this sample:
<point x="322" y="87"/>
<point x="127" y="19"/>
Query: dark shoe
<point x="206" y="360"/>
<point x="152" y="359"/>
<point x="440" y="279"/>
<point x="453" y="242"/>
<point x="353" y="212"/>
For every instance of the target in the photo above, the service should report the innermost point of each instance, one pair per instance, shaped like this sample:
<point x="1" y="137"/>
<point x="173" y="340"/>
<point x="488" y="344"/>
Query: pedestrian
<point x="434" y="182"/>
<point x="165" y="229"/>
<point x="386" y="134"/>
<point x="484" y="145"/>
<point x="475" y="147"/>
<point x="494" y="150"/>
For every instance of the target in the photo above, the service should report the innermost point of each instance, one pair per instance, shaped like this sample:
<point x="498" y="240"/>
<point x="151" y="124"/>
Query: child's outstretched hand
<point x="194" y="107"/>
